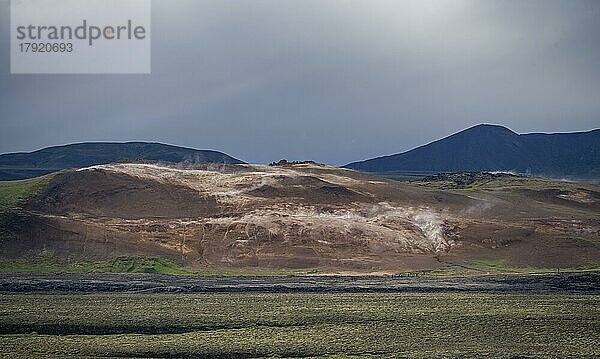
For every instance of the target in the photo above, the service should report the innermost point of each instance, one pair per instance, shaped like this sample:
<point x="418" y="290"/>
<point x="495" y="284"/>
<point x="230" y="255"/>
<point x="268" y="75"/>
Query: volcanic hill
<point x="307" y="216"/>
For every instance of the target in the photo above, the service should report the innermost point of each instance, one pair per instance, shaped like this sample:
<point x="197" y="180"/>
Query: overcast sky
<point x="328" y="80"/>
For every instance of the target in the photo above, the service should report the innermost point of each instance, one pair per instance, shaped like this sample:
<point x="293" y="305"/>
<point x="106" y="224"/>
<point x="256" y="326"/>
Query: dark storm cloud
<point x="333" y="81"/>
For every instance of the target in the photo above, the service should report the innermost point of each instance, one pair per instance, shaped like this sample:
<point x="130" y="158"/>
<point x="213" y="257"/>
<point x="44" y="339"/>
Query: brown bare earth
<point x="307" y="216"/>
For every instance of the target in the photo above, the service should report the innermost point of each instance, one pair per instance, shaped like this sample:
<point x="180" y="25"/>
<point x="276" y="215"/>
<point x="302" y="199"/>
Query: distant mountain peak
<point x="491" y="128"/>
<point x="488" y="147"/>
<point x="84" y="154"/>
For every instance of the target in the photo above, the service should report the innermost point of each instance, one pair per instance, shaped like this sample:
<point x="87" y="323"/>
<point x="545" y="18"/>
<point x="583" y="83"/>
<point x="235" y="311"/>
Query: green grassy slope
<point x="133" y="264"/>
<point x="122" y="264"/>
<point x="495" y="182"/>
<point x="13" y="195"/>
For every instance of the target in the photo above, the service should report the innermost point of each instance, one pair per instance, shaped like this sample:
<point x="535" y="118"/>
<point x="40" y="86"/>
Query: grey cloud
<point x="334" y="81"/>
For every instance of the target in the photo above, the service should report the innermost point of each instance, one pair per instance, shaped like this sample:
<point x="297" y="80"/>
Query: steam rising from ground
<point x="432" y="226"/>
<point x="382" y="226"/>
<point x="228" y="184"/>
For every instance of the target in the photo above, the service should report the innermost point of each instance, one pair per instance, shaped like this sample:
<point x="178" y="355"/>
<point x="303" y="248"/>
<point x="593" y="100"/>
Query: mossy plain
<point x="466" y="325"/>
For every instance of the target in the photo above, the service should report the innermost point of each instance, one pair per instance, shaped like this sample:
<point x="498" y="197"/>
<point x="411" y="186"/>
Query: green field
<point x="133" y="264"/>
<point x="157" y="265"/>
<point x="300" y="325"/>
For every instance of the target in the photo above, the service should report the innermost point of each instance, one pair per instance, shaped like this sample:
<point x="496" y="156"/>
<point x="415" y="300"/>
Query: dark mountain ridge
<point x="573" y="155"/>
<point x="31" y="164"/>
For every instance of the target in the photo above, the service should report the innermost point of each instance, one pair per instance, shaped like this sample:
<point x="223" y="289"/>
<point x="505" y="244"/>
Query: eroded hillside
<point x="304" y="216"/>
